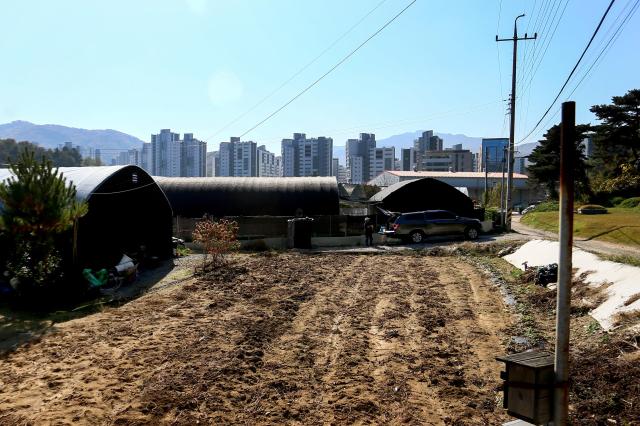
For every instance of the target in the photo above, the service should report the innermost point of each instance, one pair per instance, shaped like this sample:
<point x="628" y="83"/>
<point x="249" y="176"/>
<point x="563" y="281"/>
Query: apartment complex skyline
<point x="166" y="155"/>
<point x="170" y="155"/>
<point x="238" y="158"/>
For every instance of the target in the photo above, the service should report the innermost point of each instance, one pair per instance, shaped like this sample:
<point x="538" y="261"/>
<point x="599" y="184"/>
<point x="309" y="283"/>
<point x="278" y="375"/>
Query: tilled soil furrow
<point x="272" y="339"/>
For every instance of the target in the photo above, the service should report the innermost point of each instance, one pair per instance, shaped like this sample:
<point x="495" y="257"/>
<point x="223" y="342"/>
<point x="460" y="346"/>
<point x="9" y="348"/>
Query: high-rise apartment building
<point x="171" y="156"/>
<point x="146" y="157"/>
<point x="266" y="162"/>
<point x="408" y="159"/>
<point x="358" y="156"/>
<point x="167" y="153"/>
<point x="238" y="158"/>
<point x="213" y="164"/>
<point x="587" y="144"/>
<point x="428" y="142"/>
<point x="307" y="157"/>
<point x="492" y="153"/>
<point x="193" y="158"/>
<point x="381" y="160"/>
<point x="244" y="159"/>
<point x="342" y="175"/>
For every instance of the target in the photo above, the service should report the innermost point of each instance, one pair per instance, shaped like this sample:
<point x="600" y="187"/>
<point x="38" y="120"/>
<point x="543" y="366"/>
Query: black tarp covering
<point x="126" y="210"/>
<point x="250" y="196"/>
<point x="423" y="194"/>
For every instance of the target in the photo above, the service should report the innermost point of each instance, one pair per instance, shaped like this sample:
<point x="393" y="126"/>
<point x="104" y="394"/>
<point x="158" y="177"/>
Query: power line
<point x="607" y="46"/>
<point x="573" y="70"/>
<point x="343" y="60"/>
<point x="610" y="43"/>
<point x="542" y="17"/>
<point x="533" y="73"/>
<point x="498" y="52"/>
<point x="297" y="73"/>
<point x="544" y="43"/>
<point x="604" y="50"/>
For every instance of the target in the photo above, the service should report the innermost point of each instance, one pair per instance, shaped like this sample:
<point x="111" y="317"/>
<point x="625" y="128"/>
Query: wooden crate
<point x="528" y="388"/>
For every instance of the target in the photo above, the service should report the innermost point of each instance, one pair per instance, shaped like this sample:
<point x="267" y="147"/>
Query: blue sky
<point x="196" y="65"/>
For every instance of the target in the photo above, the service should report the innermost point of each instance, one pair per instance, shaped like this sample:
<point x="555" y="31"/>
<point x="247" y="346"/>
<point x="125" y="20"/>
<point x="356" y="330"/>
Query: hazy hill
<point x="52" y="135"/>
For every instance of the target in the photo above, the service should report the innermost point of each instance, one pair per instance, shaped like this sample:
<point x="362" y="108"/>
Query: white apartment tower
<point x="167" y="153"/>
<point x="193" y="157"/>
<point x="244" y="159"/>
<point x="266" y="162"/>
<point x="381" y="160"/>
<point x="307" y="157"/>
<point x="213" y="164"/>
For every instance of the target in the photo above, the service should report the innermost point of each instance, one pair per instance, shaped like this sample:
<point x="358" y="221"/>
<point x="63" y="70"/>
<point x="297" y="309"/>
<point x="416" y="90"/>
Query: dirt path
<point x="279" y="339"/>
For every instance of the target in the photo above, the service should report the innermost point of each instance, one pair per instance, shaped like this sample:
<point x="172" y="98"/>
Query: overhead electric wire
<point x="602" y="53"/>
<point x="546" y="36"/>
<point x="526" y="31"/>
<point x="573" y="70"/>
<point x="536" y="65"/>
<point x="498" y="52"/>
<point x="343" y="60"/>
<point x="609" y="44"/>
<point x="297" y="73"/>
<point x="542" y="17"/>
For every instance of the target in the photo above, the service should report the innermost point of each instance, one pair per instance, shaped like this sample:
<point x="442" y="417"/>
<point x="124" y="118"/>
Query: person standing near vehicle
<point x="368" y="231"/>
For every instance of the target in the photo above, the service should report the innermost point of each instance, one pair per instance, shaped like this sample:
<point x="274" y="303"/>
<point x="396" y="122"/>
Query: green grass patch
<point x="620" y="225"/>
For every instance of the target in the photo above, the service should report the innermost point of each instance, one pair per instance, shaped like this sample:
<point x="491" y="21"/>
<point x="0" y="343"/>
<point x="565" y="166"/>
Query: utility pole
<point x="486" y="178"/>
<point x="502" y="202"/>
<point x="563" y="303"/>
<point x="512" y="130"/>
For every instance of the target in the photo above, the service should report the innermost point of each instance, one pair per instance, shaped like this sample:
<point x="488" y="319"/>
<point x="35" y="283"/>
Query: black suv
<point x="416" y="226"/>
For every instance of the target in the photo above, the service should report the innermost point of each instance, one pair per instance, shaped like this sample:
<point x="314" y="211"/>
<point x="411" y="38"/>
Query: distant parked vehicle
<point x="592" y="209"/>
<point x="415" y="227"/>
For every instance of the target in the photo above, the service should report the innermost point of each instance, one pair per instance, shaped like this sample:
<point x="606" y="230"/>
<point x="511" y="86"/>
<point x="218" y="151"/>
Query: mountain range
<point x="52" y="135"/>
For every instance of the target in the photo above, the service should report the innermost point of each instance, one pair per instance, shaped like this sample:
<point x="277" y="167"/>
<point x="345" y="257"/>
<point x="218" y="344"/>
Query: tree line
<point x="613" y="169"/>
<point x="10" y="150"/>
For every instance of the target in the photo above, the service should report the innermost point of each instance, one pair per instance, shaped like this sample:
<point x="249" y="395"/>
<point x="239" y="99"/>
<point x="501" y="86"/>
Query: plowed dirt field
<point x="285" y="338"/>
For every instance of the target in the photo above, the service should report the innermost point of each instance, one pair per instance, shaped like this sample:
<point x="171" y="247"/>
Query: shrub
<point x="615" y="201"/>
<point x="218" y="238"/>
<point x="630" y="203"/>
<point x="492" y="214"/>
<point x="548" y="206"/>
<point x="38" y="208"/>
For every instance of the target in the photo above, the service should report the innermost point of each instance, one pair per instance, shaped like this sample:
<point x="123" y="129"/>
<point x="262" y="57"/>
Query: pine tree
<point x="37" y="207"/>
<point x="545" y="162"/>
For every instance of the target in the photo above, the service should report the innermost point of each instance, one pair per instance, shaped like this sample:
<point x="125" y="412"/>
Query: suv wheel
<point x="416" y="237"/>
<point x="471" y="232"/>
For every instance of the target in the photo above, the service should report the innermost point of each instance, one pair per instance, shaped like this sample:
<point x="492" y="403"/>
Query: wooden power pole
<point x="512" y="129"/>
